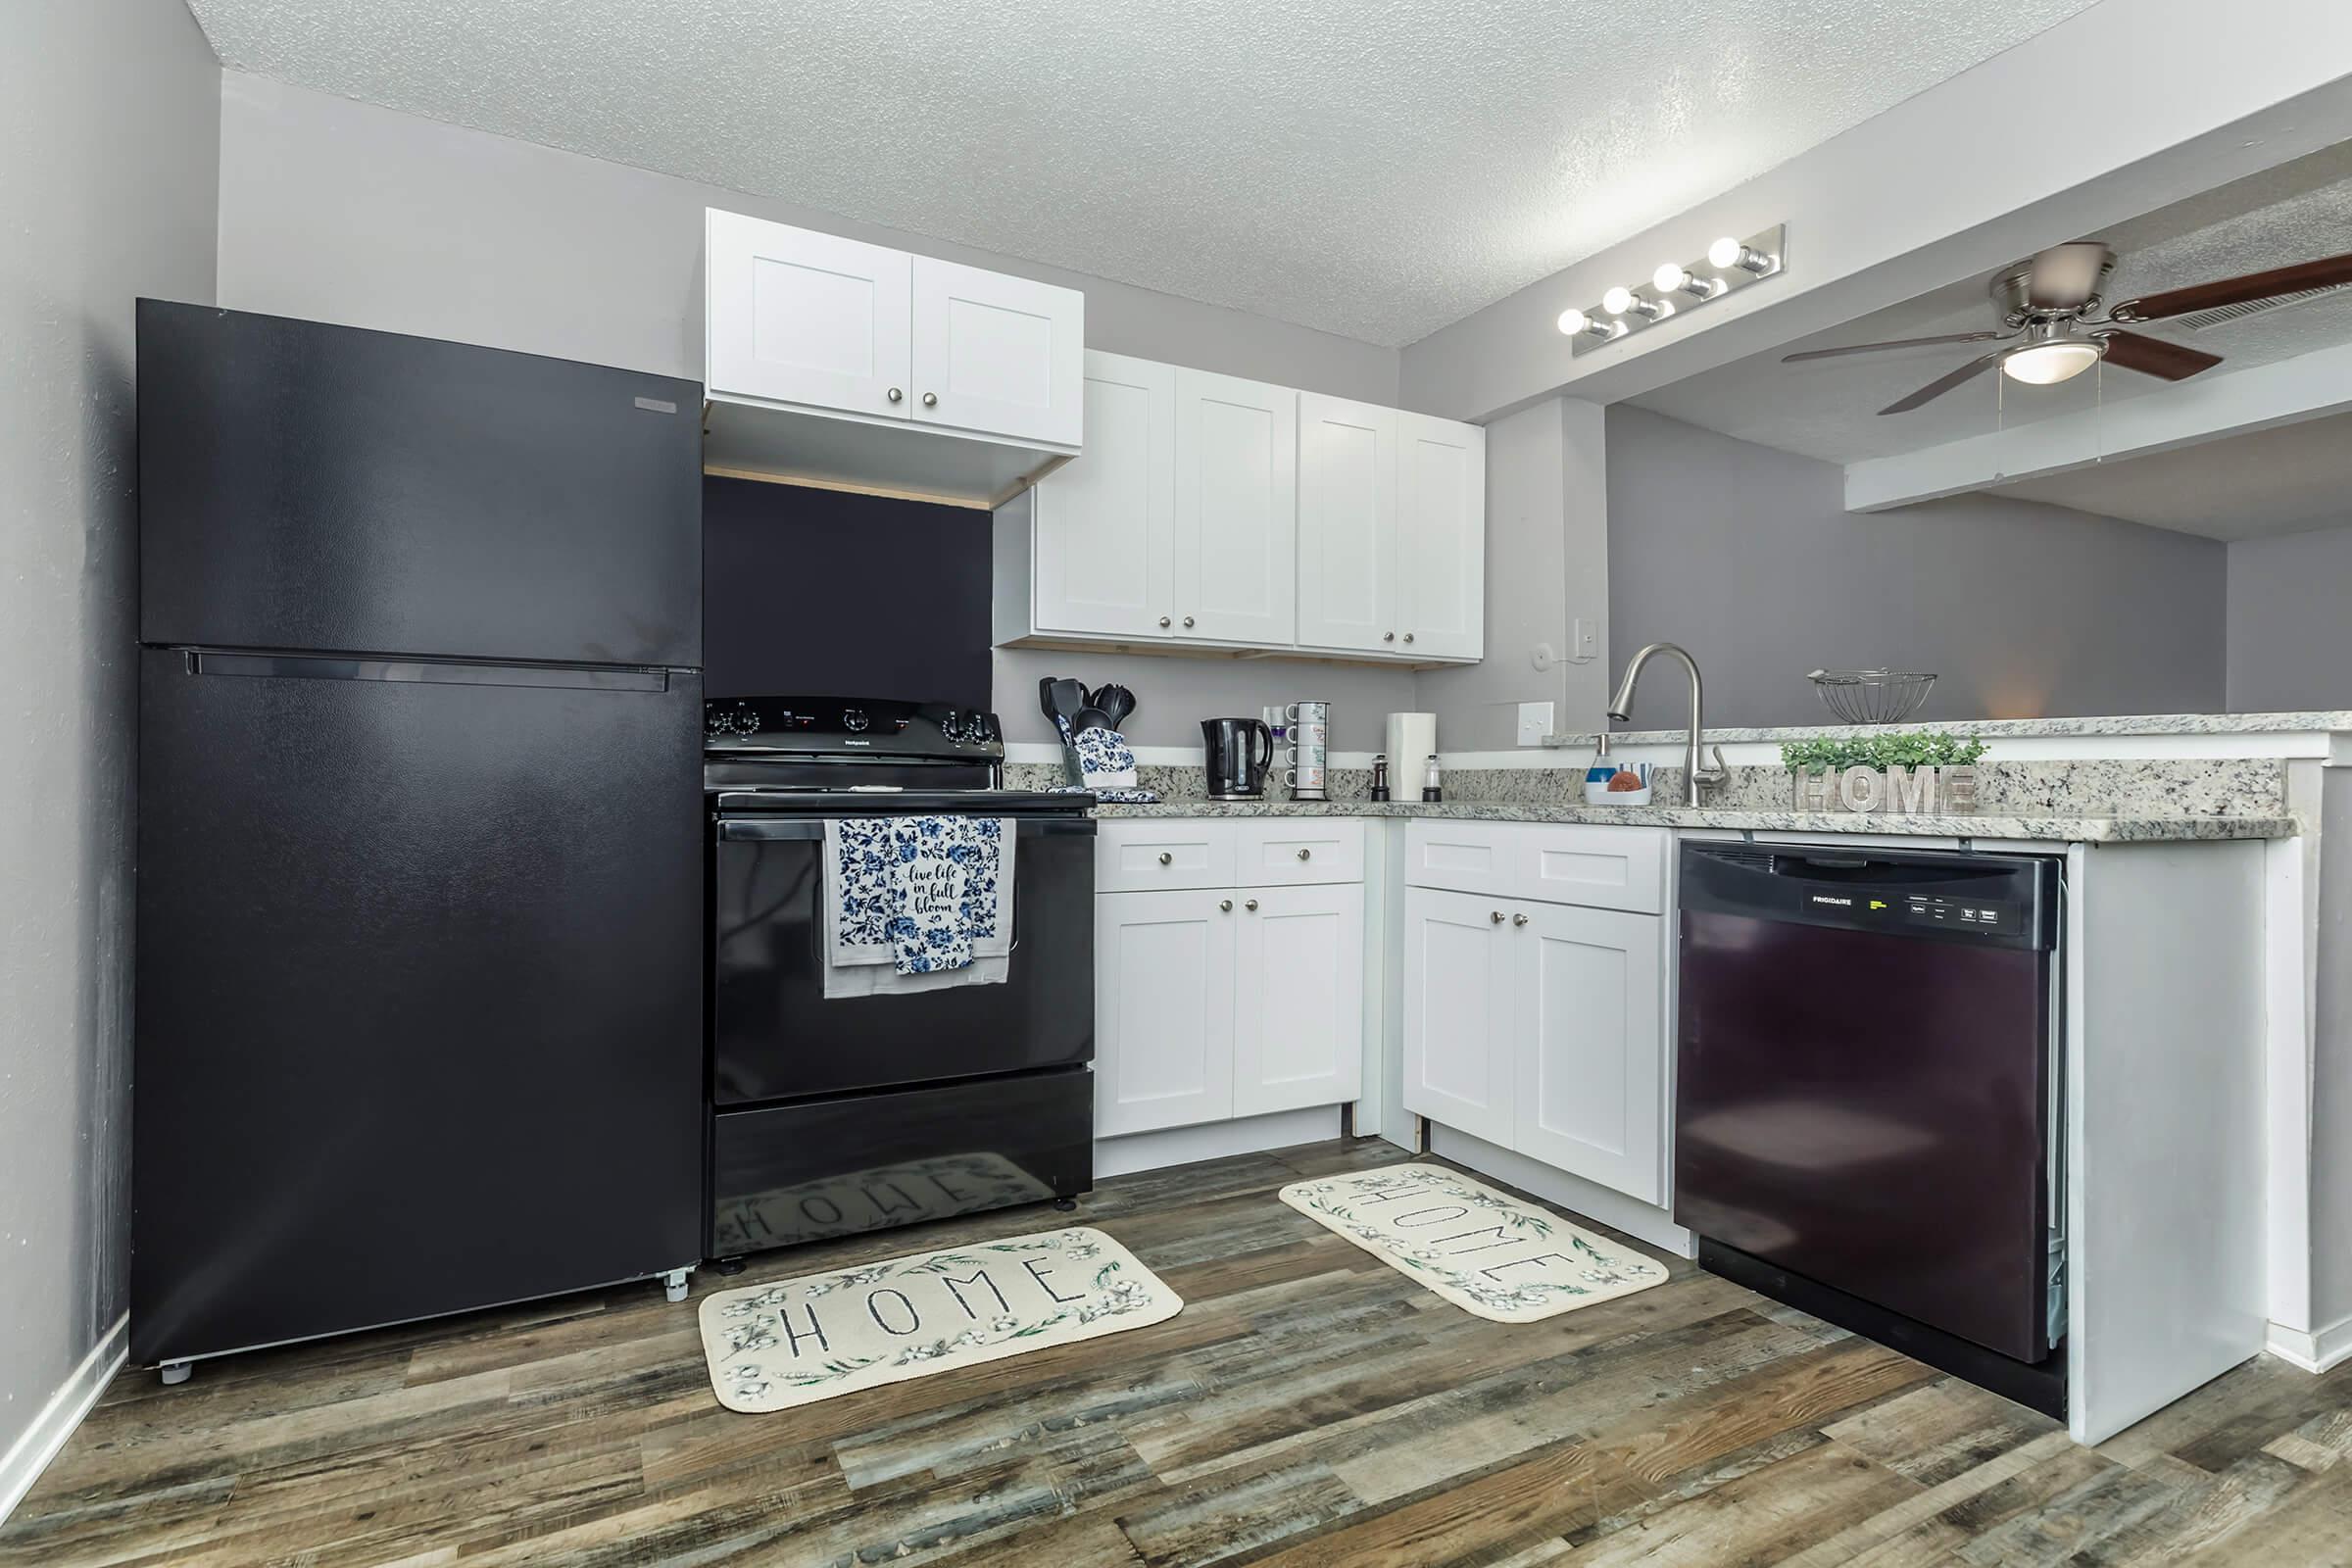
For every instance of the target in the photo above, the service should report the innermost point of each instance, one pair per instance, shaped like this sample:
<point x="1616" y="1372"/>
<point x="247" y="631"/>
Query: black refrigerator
<point x="418" y="1010"/>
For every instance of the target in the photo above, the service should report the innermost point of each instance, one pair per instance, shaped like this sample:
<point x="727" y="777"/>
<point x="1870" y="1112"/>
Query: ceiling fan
<point x="2051" y="331"/>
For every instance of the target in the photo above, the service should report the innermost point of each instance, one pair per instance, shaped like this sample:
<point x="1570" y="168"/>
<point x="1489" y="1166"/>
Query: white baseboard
<point x="1645" y="1222"/>
<point x="2315" y="1351"/>
<point x="1215" y="1140"/>
<point x="32" y="1453"/>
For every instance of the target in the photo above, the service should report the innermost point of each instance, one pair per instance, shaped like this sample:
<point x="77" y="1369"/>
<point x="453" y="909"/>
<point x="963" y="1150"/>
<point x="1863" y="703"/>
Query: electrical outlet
<point x="1583" y="642"/>
<point x="1534" y="722"/>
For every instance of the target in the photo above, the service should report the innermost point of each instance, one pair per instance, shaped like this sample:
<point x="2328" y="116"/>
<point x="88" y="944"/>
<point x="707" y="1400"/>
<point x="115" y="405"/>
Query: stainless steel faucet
<point x="1621" y="708"/>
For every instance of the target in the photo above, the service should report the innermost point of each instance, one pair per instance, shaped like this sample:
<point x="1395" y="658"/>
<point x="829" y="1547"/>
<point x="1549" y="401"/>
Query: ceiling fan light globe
<point x="2048" y="364"/>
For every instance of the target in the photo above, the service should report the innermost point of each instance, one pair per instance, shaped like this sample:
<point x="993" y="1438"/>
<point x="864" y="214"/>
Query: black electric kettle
<point x="1237" y="768"/>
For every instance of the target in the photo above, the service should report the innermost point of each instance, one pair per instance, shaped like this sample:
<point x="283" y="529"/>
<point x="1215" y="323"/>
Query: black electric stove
<point x="832" y="1115"/>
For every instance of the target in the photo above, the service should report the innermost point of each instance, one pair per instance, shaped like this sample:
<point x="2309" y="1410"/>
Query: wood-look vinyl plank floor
<point x="1311" y="1406"/>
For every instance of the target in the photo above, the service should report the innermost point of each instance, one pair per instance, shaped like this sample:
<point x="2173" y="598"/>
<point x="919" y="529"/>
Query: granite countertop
<point x="1996" y="728"/>
<point x="2056" y="828"/>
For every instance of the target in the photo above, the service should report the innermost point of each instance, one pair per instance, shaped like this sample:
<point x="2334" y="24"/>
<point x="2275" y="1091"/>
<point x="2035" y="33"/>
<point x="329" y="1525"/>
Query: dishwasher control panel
<point x="1961" y="913"/>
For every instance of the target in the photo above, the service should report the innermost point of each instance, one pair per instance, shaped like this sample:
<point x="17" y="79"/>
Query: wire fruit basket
<point x="1871" y="696"/>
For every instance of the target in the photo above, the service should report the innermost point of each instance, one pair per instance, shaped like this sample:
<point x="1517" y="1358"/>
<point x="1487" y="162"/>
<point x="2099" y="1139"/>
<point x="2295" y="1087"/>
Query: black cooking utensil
<point x="1090" y="717"/>
<point x="1116" y="703"/>
<point x="1061" y="698"/>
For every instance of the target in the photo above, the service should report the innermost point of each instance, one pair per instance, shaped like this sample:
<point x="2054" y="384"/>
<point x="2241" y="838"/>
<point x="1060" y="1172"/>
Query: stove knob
<point x="852" y="719"/>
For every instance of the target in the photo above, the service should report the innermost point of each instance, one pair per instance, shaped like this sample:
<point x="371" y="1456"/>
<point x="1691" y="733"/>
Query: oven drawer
<point x="786" y="1174"/>
<point x="1143" y="854"/>
<point x="1278" y="851"/>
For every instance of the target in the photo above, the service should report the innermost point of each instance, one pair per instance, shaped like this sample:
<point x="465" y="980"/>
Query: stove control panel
<point x="850" y="726"/>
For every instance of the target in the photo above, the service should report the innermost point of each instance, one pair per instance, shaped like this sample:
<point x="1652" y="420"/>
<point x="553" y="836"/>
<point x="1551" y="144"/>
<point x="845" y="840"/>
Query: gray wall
<point x="1745" y="556"/>
<point x="108" y="147"/>
<point x="2290" y="637"/>
<point x="344" y="212"/>
<point x="1547" y="562"/>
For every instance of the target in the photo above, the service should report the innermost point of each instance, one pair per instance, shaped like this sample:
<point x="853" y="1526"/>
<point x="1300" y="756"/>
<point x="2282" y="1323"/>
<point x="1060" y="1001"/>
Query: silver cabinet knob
<point x="1252" y="906"/>
<point x="1306" y="854"/>
<point x="1495" y="917"/>
<point x="1226" y="904"/>
<point x="1163" y="621"/>
<point x="1408" y="636"/>
<point x="1518" y="920"/>
<point x="1166" y="859"/>
<point x="930" y="400"/>
<point x="1388" y="636"/>
<point x="1188" y="621"/>
<point x="895" y="394"/>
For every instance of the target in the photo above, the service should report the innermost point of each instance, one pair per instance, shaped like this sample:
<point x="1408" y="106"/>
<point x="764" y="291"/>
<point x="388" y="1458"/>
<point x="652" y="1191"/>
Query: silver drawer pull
<point x="1496" y="917"/>
<point x="1306" y="854"/>
<point x="1518" y="920"/>
<point x="1166" y="859"/>
<point x="1226" y="904"/>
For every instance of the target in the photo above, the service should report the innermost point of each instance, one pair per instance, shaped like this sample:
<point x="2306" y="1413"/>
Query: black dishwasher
<point x="1865" y="1099"/>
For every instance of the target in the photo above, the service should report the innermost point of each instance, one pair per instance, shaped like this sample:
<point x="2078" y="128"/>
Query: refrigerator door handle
<point x="425" y="672"/>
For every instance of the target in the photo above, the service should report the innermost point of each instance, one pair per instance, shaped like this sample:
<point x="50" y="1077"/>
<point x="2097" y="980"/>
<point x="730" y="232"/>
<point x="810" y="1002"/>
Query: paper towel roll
<point x="1411" y="738"/>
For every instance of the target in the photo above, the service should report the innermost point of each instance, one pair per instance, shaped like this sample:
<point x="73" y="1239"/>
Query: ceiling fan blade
<point x="2065" y="275"/>
<point x="2327" y="273"/>
<point x="2153" y="356"/>
<point x="1945" y="382"/>
<point x="1896" y="343"/>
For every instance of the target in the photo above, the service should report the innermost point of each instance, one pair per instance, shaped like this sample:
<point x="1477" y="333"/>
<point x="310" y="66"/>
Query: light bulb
<point x="2047" y="363"/>
<point x="1724" y="253"/>
<point x="1618" y="300"/>
<point x="1668" y="277"/>
<point x="1573" y="321"/>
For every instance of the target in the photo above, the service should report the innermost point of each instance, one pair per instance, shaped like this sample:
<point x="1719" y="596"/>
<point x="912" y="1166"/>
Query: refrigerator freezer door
<point x="325" y="488"/>
<point x="419" y="1022"/>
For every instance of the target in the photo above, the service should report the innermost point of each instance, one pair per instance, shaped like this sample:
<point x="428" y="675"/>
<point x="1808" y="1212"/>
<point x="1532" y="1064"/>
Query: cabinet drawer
<point x="1139" y="856"/>
<point x="1461" y="856"/>
<point x="1592" y="866"/>
<point x="1292" y="852"/>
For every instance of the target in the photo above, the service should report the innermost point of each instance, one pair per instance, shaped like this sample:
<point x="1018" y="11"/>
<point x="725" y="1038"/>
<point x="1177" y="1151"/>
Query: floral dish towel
<point x="921" y="893"/>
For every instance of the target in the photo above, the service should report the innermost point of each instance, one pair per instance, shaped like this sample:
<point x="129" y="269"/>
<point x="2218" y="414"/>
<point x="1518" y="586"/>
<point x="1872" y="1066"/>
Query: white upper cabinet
<point x="1213" y="513"/>
<point x="799" y="317"/>
<point x="1346" y="524"/>
<point x="836" y="363"/>
<point x="1237" y="509"/>
<point x="997" y="353"/>
<point x="1440" y="538"/>
<point x="1106" y="544"/>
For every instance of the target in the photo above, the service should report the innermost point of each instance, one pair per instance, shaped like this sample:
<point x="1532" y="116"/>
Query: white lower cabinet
<point x="1459" y="999"/>
<point x="1163" y="1010"/>
<point x="1298" y="999"/>
<point x="1589" y="1046"/>
<point x="1213" y="1002"/>
<point x="1534" y="1025"/>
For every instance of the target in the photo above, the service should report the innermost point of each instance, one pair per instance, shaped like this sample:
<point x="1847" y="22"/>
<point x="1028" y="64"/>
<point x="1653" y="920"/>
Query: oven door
<point x="776" y="1036"/>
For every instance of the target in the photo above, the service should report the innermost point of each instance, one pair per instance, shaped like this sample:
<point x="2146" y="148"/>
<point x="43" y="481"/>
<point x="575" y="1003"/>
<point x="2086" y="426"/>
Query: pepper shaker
<point x="1380" y="775"/>
<point x="1435" y="789"/>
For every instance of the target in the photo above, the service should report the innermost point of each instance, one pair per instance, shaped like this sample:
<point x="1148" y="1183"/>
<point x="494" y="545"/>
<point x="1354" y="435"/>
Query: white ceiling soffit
<point x="2290" y="479"/>
<point x="1377" y="171"/>
<point x="1827" y="408"/>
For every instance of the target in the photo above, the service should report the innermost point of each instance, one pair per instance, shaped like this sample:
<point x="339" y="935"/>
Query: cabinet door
<point x="1299" y="998"/>
<point x="1459" y="1011"/>
<point x="799" y="317"/>
<point x="1346" y="524"/>
<point x="1104" y="547"/>
<point x="1237" y="509"/>
<point x="1163" y="1010"/>
<point x="1591" y="1046"/>
<point x="1441" y="537"/>
<point x="1002" y="355"/>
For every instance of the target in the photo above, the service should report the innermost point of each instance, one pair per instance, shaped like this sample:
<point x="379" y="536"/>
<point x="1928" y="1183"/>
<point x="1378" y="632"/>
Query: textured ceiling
<point x="1376" y="170"/>
<point x="2289" y="480"/>
<point x="1827" y="407"/>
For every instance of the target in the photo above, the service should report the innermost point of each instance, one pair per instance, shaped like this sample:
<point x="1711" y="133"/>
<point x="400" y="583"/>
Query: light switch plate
<point x="1534" y="722"/>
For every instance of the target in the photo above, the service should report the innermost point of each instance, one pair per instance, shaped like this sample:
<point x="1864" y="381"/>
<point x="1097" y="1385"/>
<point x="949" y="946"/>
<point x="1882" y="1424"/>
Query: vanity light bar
<point x="1730" y="266"/>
